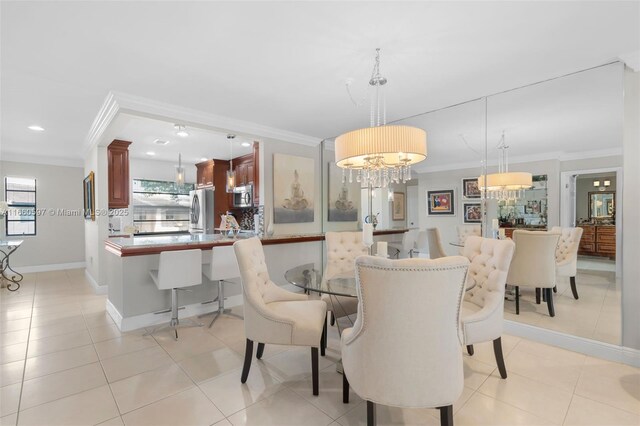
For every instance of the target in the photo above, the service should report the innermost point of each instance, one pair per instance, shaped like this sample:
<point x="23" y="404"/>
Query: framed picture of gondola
<point x="441" y="203"/>
<point x="89" y="197"/>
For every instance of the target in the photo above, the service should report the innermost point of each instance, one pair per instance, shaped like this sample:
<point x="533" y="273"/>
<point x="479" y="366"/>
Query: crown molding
<point x="631" y="59"/>
<point x="17" y="157"/>
<point x="545" y="156"/>
<point x="118" y="102"/>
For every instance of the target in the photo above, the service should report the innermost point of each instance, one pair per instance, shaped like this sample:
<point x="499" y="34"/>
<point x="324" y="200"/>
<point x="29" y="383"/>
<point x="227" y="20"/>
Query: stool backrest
<point x="223" y="264"/>
<point x="180" y="268"/>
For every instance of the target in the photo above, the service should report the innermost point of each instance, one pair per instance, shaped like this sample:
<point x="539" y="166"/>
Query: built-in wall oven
<point x="201" y="218"/>
<point x="243" y="196"/>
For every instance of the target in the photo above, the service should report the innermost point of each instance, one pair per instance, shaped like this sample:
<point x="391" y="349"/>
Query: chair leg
<point x="248" y="353"/>
<point x="537" y="296"/>
<point x="497" y="351"/>
<point x="552" y="312"/>
<point x="470" y="350"/>
<point x="260" y="350"/>
<point x="555" y="288"/>
<point x="574" y="290"/>
<point x="544" y="294"/>
<point x="446" y="415"/>
<point x="314" y="370"/>
<point x="345" y="389"/>
<point x="517" y="300"/>
<point x="333" y="320"/>
<point x="323" y="339"/>
<point x="371" y="413"/>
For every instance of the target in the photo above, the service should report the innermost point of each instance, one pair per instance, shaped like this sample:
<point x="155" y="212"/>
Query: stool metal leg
<point x="221" y="309"/>
<point x="175" y="321"/>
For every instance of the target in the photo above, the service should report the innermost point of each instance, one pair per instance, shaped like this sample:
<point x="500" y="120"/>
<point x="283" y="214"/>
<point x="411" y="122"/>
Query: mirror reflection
<point x="602" y="205"/>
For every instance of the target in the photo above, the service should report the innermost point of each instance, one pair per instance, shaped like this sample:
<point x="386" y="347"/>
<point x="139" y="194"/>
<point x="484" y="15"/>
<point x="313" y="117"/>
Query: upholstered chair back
<point x="534" y="261"/>
<point x="404" y="348"/>
<point x="488" y="269"/>
<point x="436" y="250"/>
<point x="342" y="250"/>
<point x="567" y="249"/>
<point x="465" y="231"/>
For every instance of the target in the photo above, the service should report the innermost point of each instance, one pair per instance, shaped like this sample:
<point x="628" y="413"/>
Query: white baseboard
<point x="582" y="345"/>
<point x="99" y="289"/>
<point x="46" y="268"/>
<point x="152" y="319"/>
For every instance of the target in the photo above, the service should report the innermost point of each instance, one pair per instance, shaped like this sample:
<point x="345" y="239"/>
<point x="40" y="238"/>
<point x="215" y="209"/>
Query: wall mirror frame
<point x="602" y="205"/>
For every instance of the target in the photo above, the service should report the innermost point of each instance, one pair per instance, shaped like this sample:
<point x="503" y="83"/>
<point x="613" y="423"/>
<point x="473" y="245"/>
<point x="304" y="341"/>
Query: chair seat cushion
<point x="308" y="317"/>
<point x="341" y="306"/>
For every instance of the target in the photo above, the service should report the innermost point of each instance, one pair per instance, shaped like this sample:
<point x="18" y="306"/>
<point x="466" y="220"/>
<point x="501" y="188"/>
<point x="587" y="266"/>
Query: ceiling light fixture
<point x="607" y="183"/>
<point x="181" y="130"/>
<point x="204" y="159"/>
<point x="380" y="154"/>
<point x="161" y="142"/>
<point x="150" y="153"/>
<point x="246" y="144"/>
<point x="36" y="128"/>
<point x="179" y="171"/>
<point x="596" y="183"/>
<point x="504" y="185"/>
<point x="231" y="174"/>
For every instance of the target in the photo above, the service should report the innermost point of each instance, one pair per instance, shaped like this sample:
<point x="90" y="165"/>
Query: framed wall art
<point x="293" y="189"/>
<point x="470" y="188"/>
<point x="472" y="212"/>
<point x="344" y="197"/>
<point x="441" y="203"/>
<point x="89" y="197"/>
<point x="398" y="207"/>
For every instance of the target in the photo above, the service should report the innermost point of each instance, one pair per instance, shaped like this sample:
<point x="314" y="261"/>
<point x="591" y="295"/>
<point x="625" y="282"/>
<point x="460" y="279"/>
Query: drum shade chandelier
<point x="504" y="185"/>
<point x="380" y="154"/>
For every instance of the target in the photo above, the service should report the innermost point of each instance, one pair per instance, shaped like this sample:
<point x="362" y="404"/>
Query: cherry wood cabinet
<point x="598" y="240"/>
<point x="255" y="171"/>
<point x="204" y="174"/>
<point x="247" y="170"/>
<point x="118" y="174"/>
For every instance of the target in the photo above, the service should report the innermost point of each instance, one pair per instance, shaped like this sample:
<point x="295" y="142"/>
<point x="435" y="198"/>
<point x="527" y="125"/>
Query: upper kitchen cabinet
<point x="118" y="174"/>
<point x="247" y="171"/>
<point x="205" y="175"/>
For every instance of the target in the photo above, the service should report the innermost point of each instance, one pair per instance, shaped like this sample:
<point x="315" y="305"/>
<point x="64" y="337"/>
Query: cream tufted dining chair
<point x="483" y="307"/>
<point x="404" y="348"/>
<point x="465" y="231"/>
<point x="342" y="250"/>
<point x="436" y="250"/>
<point x="273" y="315"/>
<point x="534" y="264"/>
<point x="567" y="254"/>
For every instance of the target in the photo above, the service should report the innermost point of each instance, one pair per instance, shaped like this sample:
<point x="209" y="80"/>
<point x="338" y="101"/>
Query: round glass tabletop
<point x="310" y="277"/>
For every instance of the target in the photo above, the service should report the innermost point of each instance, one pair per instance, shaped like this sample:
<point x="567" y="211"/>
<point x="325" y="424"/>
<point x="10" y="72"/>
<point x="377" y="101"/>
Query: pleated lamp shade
<point x="509" y="181"/>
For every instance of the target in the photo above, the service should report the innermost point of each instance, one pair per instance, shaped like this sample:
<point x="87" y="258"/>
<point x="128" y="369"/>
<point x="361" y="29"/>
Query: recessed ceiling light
<point x="246" y="144"/>
<point x="204" y="159"/>
<point x="36" y="128"/>
<point x="181" y="130"/>
<point x="150" y="153"/>
<point x="161" y="142"/>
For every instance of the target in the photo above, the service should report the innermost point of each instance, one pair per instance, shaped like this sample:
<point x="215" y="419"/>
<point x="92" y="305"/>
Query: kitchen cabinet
<point x="205" y="174"/>
<point x="247" y="170"/>
<point x="598" y="240"/>
<point x="118" y="174"/>
<point x="255" y="170"/>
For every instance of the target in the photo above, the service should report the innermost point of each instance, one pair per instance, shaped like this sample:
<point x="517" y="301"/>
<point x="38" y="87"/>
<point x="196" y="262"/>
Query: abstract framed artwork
<point x="441" y="203"/>
<point x="398" y="207"/>
<point x="344" y="197"/>
<point x="293" y="189"/>
<point x="470" y="188"/>
<point x="472" y="212"/>
<point x="89" y="197"/>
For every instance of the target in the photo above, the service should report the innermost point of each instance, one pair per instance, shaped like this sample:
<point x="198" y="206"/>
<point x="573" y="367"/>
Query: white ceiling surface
<point x="199" y="144"/>
<point x="283" y="64"/>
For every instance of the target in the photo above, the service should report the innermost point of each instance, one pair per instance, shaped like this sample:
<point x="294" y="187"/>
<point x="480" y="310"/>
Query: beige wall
<point x="59" y="238"/>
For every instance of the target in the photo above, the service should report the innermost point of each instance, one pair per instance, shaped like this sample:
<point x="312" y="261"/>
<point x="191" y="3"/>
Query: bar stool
<point x="177" y="269"/>
<point x="222" y="267"/>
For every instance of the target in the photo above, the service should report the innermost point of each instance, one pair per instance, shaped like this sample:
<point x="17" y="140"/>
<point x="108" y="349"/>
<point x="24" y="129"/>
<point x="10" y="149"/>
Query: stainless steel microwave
<point x="243" y="196"/>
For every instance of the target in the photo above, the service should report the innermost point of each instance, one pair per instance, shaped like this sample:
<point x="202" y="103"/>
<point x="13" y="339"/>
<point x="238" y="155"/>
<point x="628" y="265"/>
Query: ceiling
<point x="283" y="64"/>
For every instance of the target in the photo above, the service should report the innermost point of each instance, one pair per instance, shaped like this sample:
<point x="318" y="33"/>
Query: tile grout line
<point x="26" y="351"/>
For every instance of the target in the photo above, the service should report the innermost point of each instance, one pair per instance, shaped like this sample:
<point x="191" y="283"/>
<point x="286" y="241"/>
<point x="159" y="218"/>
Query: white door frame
<point x="567" y="204"/>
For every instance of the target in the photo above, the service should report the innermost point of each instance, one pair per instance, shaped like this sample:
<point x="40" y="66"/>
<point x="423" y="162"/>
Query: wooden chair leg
<point x="248" y="354"/>
<point x="345" y="388"/>
<point x="574" y="290"/>
<point x="333" y="320"/>
<point x="537" y="296"/>
<point x="555" y="288"/>
<point x="446" y="415"/>
<point x="470" y="350"/>
<point x="314" y="370"/>
<point x="497" y="351"/>
<point x="517" y="300"/>
<point x="552" y="312"/>
<point x="323" y="339"/>
<point x="371" y="414"/>
<point x="260" y="350"/>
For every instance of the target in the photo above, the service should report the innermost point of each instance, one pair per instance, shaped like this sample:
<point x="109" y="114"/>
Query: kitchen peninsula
<point x="134" y="298"/>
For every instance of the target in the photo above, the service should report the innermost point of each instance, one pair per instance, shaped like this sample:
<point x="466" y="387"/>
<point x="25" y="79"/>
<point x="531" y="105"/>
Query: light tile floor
<point x="597" y="314"/>
<point x="65" y="363"/>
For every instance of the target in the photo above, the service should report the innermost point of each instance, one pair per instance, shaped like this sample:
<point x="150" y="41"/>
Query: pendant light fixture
<point x="231" y="174"/>
<point x="504" y="185"/>
<point x="380" y="154"/>
<point x="179" y="171"/>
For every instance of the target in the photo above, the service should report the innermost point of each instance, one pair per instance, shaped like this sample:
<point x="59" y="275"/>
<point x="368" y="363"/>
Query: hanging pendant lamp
<point x="504" y="185"/>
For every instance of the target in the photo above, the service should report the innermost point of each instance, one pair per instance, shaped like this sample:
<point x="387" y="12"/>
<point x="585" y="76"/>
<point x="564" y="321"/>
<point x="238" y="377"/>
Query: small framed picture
<point x="398" y="206"/>
<point x="472" y="212"/>
<point x="470" y="188"/>
<point x="440" y="202"/>
<point x="89" y="197"/>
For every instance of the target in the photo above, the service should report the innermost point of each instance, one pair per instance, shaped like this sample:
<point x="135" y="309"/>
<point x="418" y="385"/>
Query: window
<point x="20" y="194"/>
<point x="160" y="207"/>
